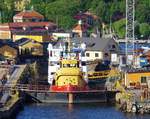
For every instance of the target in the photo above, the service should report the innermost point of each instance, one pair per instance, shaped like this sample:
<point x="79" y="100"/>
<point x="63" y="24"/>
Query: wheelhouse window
<point x="87" y="54"/>
<point x="143" y="79"/>
<point x="83" y="63"/>
<point x="96" y="55"/>
<point x="113" y="46"/>
<point x="69" y="65"/>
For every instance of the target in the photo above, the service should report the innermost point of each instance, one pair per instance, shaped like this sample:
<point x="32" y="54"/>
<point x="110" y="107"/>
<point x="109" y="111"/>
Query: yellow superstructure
<point x="69" y="74"/>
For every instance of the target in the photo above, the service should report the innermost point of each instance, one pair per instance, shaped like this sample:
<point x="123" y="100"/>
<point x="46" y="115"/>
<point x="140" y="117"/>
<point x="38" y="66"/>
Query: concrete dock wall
<point x="10" y="112"/>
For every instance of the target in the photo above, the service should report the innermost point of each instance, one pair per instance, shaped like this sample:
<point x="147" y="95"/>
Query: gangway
<point x="40" y="88"/>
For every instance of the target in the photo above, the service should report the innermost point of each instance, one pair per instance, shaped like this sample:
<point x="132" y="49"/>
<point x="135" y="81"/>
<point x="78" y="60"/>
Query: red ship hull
<point x="67" y="88"/>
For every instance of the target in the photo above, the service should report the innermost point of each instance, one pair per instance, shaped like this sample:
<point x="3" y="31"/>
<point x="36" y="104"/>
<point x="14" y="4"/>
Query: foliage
<point x="144" y="30"/>
<point x="62" y="12"/>
<point x="108" y="9"/>
<point x="143" y="11"/>
<point x="119" y="27"/>
<point x="6" y="10"/>
<point x="59" y="11"/>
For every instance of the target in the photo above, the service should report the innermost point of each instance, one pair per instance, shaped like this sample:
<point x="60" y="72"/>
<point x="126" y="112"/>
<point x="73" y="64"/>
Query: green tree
<point x="143" y="11"/>
<point x="7" y="10"/>
<point x="62" y="12"/>
<point x="144" y="30"/>
<point x="119" y="27"/>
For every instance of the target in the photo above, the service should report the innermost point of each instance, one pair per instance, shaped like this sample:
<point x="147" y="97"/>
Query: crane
<point x="130" y="15"/>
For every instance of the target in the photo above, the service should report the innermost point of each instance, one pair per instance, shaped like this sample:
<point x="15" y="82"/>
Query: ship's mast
<point x="130" y="14"/>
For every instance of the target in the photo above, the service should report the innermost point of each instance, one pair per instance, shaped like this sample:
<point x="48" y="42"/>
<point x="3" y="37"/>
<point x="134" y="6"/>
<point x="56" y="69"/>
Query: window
<point x="87" y="54"/>
<point x="143" y="80"/>
<point x="96" y="55"/>
<point x="33" y="19"/>
<point x="113" y="46"/>
<point x="83" y="54"/>
<point x="83" y="63"/>
<point x="72" y="65"/>
<point x="32" y="49"/>
<point x="69" y="65"/>
<point x="106" y="54"/>
<point x="148" y="78"/>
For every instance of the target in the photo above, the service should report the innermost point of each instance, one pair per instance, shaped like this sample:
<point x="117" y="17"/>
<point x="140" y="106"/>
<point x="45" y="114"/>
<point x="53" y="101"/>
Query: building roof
<point x="84" y="15"/>
<point x="147" y="53"/>
<point x="18" y="27"/>
<point x="93" y="44"/>
<point x="8" y="43"/>
<point x="29" y="14"/>
<point x="27" y="24"/>
<point x="90" y="14"/>
<point x="79" y="27"/>
<point x="23" y="41"/>
<point x="139" y="70"/>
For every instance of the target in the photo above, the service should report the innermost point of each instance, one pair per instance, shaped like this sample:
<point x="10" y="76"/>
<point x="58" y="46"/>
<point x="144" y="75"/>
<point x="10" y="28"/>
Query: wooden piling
<point x="70" y="98"/>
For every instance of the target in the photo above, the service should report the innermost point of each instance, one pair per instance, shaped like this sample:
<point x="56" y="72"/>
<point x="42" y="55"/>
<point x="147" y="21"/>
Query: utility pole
<point x="130" y="14"/>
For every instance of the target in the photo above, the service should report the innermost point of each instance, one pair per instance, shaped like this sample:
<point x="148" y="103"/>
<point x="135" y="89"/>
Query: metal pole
<point x="126" y="40"/>
<point x="133" y="37"/>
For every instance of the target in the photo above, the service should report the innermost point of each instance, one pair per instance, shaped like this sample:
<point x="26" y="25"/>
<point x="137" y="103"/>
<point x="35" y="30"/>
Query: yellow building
<point x="37" y="38"/>
<point x="29" y="47"/>
<point x="136" y="79"/>
<point x="8" y="52"/>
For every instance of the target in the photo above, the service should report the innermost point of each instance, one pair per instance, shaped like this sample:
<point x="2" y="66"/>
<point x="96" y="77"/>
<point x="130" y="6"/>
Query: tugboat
<point x="69" y="77"/>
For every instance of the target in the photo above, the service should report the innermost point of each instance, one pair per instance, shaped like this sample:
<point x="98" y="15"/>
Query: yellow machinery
<point x="125" y="94"/>
<point x="114" y="74"/>
<point x="104" y="74"/>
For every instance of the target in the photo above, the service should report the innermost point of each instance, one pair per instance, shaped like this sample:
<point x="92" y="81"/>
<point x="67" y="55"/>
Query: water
<point x="78" y="111"/>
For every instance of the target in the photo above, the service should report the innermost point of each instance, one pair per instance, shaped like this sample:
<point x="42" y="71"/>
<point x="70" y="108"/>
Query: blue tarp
<point x="143" y="61"/>
<point x="122" y="46"/>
